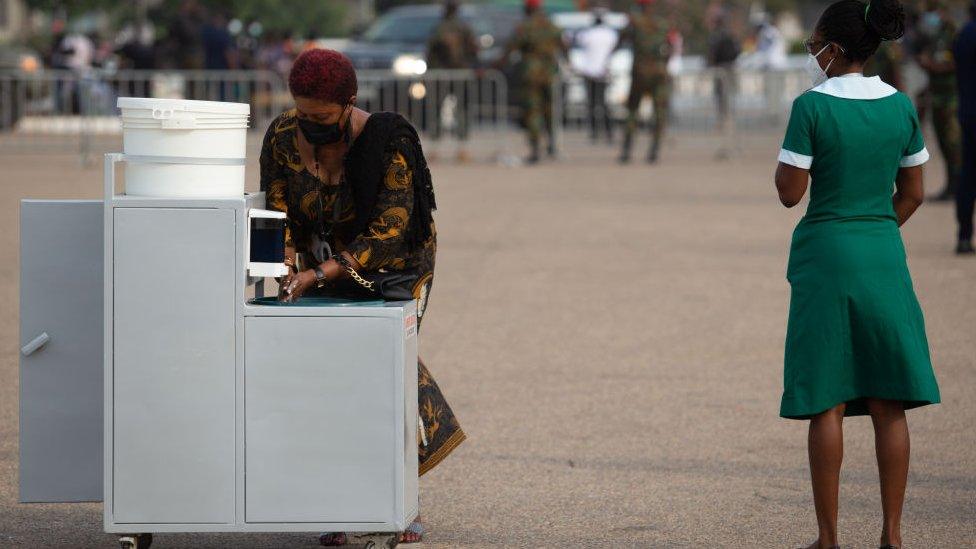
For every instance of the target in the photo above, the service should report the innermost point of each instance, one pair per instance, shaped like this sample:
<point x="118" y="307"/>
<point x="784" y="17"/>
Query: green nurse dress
<point x="855" y="330"/>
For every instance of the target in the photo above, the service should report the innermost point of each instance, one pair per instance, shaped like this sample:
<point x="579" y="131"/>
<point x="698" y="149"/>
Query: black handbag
<point x="385" y="285"/>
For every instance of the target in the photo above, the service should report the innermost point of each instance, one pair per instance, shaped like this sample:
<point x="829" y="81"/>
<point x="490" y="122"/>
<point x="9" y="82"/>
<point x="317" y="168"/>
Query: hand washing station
<point x="157" y="378"/>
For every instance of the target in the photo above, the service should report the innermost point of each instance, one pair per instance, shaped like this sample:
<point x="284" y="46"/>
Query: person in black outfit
<point x="723" y="50"/>
<point x="964" y="52"/>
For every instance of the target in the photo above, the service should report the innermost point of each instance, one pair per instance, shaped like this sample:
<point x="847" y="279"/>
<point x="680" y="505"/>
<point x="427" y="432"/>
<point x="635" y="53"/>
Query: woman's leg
<point x="892" y="444"/>
<point x="826" y="450"/>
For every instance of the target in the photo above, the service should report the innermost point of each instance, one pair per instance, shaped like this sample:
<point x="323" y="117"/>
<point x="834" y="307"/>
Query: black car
<point x="397" y="40"/>
<point x="390" y="59"/>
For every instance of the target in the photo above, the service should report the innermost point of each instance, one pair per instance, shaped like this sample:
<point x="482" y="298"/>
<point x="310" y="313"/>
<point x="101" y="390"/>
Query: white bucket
<point x="210" y="136"/>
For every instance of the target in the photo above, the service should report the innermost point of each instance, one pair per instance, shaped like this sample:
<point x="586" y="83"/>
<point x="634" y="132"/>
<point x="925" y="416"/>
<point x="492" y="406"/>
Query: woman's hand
<point x="294" y="286"/>
<point x="909" y="193"/>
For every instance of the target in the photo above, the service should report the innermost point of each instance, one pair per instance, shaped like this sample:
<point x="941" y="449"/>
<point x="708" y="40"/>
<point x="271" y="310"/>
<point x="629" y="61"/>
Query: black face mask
<point x="322" y="134"/>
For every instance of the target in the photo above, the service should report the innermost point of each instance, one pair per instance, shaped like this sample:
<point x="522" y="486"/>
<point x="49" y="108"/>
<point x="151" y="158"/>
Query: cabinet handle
<point x="35" y="344"/>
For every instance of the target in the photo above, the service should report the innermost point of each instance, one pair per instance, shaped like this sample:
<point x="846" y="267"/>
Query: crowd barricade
<point x="60" y="111"/>
<point x="71" y="112"/>
<point x="445" y="105"/>
<point x="756" y="99"/>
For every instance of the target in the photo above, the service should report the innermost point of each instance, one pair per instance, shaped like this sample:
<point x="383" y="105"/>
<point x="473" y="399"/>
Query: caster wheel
<point x="136" y="541"/>
<point x="379" y="541"/>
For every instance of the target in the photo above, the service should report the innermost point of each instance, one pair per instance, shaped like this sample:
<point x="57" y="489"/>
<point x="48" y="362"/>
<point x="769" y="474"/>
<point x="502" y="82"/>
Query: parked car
<point x="397" y="40"/>
<point x="390" y="54"/>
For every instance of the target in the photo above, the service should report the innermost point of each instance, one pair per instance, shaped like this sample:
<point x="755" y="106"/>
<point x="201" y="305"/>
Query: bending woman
<point x="358" y="196"/>
<point x="856" y="341"/>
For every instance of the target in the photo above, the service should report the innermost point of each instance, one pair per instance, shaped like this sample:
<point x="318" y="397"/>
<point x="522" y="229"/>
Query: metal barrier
<point x="458" y="104"/>
<point x="67" y="112"/>
<point x="757" y="99"/>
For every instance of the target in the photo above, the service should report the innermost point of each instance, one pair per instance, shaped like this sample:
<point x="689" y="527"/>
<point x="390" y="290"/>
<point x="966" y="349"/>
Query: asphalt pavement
<point x="611" y="338"/>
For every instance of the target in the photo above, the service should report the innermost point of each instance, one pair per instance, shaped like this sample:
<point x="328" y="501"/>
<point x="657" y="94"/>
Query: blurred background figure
<point x="648" y="37"/>
<point x="183" y="48"/>
<point x="73" y="52"/>
<point x="136" y="48"/>
<point x="539" y="44"/>
<point x="219" y="52"/>
<point x="275" y="53"/>
<point x="888" y="63"/>
<point x="723" y="50"/>
<point x="936" y="34"/>
<point x="965" y="57"/>
<point x="219" y="49"/>
<point x="770" y="57"/>
<point x="596" y="44"/>
<point x="770" y="45"/>
<point x="452" y="46"/>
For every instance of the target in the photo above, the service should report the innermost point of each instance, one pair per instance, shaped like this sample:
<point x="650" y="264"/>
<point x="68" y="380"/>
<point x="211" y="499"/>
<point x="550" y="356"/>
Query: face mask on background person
<point x="817" y="74"/>
<point x="322" y="134"/>
<point x="931" y="22"/>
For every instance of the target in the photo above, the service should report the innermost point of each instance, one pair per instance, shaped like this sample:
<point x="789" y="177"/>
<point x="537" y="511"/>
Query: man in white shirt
<point x="596" y="44"/>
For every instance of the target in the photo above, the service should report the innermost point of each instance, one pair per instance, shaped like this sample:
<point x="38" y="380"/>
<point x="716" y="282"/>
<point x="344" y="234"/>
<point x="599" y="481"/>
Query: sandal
<point x="413" y="534"/>
<point x="333" y="539"/>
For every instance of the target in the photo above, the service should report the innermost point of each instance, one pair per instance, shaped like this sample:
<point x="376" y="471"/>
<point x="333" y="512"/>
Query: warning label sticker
<point x="410" y="326"/>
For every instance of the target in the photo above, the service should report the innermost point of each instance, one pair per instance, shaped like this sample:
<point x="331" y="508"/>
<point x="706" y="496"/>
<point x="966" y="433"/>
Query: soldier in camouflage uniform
<point x="648" y="38"/>
<point x="452" y="46"/>
<point x="937" y="34"/>
<point x="539" y="44"/>
<point x="887" y="63"/>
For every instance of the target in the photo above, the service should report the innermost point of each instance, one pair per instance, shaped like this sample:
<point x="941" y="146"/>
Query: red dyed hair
<point x="322" y="74"/>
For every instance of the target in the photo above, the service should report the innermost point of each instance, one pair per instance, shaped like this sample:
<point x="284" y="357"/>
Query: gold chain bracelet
<point x="353" y="274"/>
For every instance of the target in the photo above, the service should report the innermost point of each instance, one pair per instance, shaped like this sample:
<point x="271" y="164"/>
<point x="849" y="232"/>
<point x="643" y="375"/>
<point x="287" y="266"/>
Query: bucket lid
<point x="190" y="105"/>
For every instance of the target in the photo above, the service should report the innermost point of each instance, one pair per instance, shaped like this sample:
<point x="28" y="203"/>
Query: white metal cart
<point x="148" y="380"/>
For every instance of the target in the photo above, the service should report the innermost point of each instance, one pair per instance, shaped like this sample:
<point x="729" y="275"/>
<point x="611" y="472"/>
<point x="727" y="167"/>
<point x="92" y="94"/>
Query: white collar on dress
<point x="855" y="86"/>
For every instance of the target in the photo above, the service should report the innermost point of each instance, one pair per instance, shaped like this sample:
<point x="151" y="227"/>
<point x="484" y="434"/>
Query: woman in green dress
<point x="856" y="342"/>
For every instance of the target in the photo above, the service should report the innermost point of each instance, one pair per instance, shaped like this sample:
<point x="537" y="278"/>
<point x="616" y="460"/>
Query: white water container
<point x="183" y="148"/>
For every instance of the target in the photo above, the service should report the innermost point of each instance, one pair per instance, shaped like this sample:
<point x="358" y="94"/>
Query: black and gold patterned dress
<point x="378" y="236"/>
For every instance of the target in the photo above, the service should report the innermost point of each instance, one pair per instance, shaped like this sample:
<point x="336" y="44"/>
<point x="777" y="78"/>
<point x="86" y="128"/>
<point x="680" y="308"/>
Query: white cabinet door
<point x="174" y="369"/>
<point x="61" y="381"/>
<point x="321" y="419"/>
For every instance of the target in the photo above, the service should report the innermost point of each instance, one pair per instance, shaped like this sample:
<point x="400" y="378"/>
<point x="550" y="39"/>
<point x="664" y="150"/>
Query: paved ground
<point x="611" y="338"/>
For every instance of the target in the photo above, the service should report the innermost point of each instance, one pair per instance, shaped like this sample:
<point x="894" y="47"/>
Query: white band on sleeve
<point x="795" y="159"/>
<point x="917" y="159"/>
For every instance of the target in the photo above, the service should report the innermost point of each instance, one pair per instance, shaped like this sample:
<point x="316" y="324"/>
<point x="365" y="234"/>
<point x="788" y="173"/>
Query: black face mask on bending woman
<point x="323" y="134"/>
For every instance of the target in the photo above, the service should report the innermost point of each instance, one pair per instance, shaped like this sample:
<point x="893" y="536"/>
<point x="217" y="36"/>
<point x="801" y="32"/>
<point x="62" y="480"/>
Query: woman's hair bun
<point x="886" y="18"/>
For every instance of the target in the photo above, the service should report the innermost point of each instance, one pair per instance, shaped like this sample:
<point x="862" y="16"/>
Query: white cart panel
<point x="174" y="395"/>
<point x="61" y="284"/>
<point x="321" y="419"/>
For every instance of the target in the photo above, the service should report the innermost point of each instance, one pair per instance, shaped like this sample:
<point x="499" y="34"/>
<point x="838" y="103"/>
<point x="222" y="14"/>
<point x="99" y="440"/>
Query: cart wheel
<point x="136" y="541"/>
<point x="380" y="541"/>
